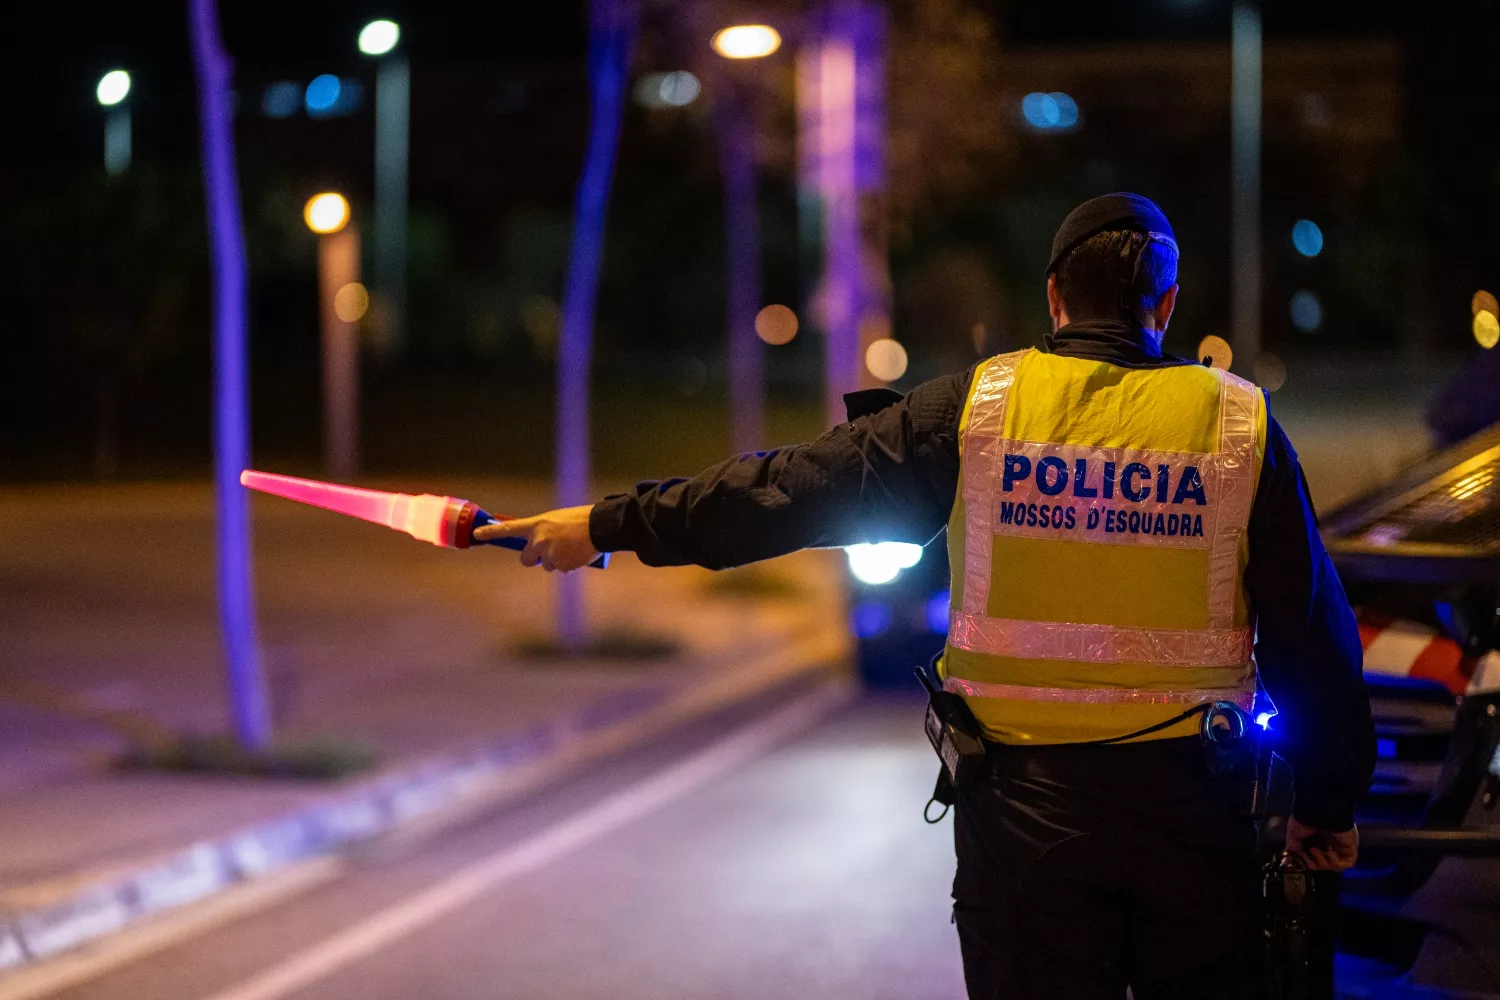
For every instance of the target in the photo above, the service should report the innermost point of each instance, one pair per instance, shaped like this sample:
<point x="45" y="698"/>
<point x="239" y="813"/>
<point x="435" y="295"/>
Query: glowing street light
<point x="1245" y="183"/>
<point x="380" y="40"/>
<point x="379" y="37"/>
<point x="342" y="302"/>
<point x="326" y="213"/>
<point x="113" y="88"/>
<point x="747" y="41"/>
<point x="733" y="108"/>
<point x="111" y="91"/>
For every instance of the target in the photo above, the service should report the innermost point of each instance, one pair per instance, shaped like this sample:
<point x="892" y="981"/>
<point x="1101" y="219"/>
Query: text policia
<point x="1170" y="484"/>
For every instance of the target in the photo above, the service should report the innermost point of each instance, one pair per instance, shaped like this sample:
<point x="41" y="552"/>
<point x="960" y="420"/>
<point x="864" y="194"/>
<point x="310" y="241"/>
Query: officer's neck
<point x="1142" y="337"/>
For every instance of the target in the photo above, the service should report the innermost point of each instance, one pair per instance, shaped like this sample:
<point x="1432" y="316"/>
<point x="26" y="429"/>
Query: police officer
<point x="1130" y="537"/>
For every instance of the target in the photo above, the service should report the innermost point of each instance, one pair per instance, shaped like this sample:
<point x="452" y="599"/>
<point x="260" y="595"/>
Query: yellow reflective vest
<point x="1097" y="546"/>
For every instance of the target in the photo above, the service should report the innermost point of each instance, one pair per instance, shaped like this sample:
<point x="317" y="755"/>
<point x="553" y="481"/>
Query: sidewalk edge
<point x="415" y="801"/>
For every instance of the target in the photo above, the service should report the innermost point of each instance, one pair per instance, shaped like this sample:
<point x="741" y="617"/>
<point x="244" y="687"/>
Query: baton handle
<point x="481" y="518"/>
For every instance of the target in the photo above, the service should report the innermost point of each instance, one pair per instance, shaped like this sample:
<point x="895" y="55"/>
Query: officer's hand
<point x="1322" y="850"/>
<point x="557" y="540"/>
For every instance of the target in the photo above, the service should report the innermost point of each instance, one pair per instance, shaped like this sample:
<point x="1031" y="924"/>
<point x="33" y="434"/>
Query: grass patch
<point x="621" y="645"/>
<point x="323" y="758"/>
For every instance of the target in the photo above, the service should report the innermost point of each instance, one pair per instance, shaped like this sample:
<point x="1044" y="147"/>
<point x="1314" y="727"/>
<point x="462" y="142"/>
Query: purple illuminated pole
<point x="247" y="686"/>
<point x="841" y="112"/>
<point x="841" y="252"/>
<point x="742" y="266"/>
<point x="612" y="26"/>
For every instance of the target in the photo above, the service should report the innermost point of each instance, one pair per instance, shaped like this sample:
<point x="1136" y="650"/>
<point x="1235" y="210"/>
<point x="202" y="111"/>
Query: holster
<point x="1235" y="750"/>
<point x="955" y="735"/>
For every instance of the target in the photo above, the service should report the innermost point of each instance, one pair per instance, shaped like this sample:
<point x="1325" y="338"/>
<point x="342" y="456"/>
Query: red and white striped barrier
<point x="1396" y="647"/>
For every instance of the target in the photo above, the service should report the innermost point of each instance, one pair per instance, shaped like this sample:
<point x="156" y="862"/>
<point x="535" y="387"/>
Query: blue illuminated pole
<point x="612" y="26"/>
<point x="247" y="686"/>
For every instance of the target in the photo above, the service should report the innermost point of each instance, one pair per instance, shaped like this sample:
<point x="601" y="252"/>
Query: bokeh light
<point x="776" y="324"/>
<point x="113" y="87"/>
<point x="351" y="302"/>
<point x="667" y="90"/>
<point x="747" y="41"/>
<point x="1270" y="372"/>
<point x="322" y="93"/>
<point x="326" y="213"/>
<point x="875" y="563"/>
<point x="1486" y="328"/>
<point x="541" y="318"/>
<point x="1307" y="237"/>
<point x="871" y="619"/>
<point x="281" y="99"/>
<point x="1483" y="300"/>
<point x="679" y="88"/>
<point x="886" y="359"/>
<point x="1307" y="312"/>
<point x="1049" y="112"/>
<point x="937" y="612"/>
<point x="1216" y="352"/>
<point x="379" y="37"/>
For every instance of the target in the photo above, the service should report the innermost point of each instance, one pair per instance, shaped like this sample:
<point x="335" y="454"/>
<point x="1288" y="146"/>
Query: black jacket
<point x="892" y="475"/>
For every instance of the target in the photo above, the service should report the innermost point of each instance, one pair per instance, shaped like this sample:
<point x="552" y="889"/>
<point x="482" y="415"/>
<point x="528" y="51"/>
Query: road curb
<point x="423" y="797"/>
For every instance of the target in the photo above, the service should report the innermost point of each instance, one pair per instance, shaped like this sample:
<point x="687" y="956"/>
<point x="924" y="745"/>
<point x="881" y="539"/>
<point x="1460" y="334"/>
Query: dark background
<point x="1379" y="125"/>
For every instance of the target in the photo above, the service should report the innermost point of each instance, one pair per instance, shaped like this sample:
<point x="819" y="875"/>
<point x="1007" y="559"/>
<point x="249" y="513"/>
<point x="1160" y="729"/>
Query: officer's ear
<point x="1055" y="303"/>
<point x="1163" y="311"/>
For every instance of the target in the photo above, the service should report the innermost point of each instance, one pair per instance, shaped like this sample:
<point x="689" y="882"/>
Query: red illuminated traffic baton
<point x="445" y="521"/>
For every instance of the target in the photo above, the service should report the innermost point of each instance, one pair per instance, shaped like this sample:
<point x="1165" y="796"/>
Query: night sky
<point x="54" y="65"/>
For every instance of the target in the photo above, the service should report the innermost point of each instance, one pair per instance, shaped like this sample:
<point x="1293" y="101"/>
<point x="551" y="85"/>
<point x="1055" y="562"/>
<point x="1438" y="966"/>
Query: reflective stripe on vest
<point x="1098" y="696"/>
<point x="1106" y="496"/>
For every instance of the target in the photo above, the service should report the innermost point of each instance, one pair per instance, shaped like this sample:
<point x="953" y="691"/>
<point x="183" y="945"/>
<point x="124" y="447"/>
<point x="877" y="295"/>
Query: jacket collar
<point x="1114" y="342"/>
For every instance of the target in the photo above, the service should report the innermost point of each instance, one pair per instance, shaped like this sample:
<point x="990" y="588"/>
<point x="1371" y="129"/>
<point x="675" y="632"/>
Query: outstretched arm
<point x="886" y="476"/>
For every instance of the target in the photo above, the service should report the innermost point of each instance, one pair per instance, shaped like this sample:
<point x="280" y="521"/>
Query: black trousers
<point x="1086" y="869"/>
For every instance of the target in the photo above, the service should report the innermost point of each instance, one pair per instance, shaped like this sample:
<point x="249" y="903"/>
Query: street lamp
<point x="734" y="123"/>
<point x="379" y="37"/>
<point x="342" y="302"/>
<point x="326" y="213"/>
<point x="379" y="40"/>
<point x="1244" y="175"/>
<point x="747" y="41"/>
<point x="111" y="92"/>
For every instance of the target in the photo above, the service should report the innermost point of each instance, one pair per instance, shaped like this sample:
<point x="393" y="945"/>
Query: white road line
<point x="400" y="919"/>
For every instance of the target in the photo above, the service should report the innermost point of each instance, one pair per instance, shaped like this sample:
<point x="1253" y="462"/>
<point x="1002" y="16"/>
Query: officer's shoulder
<point x="943" y="392"/>
<point x="1211" y="378"/>
<point x="865" y="402"/>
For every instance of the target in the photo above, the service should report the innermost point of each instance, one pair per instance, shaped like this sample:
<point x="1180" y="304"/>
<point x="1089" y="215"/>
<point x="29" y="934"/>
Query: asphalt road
<point x="801" y="868"/>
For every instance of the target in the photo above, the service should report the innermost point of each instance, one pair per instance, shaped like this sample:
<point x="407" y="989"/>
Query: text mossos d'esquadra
<point x="1128" y="484"/>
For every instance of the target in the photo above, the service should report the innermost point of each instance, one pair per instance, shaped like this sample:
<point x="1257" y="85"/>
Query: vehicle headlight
<point x="881" y="562"/>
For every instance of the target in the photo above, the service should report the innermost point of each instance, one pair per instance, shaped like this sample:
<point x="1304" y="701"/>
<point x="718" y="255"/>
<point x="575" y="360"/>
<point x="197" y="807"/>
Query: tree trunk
<point x="612" y="25"/>
<point x="247" y="686"/>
